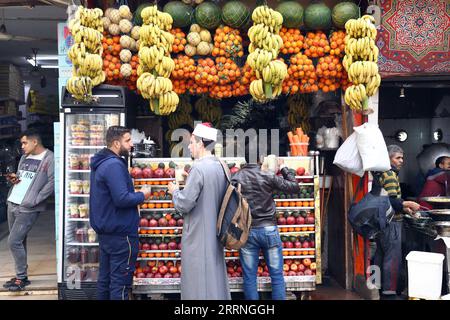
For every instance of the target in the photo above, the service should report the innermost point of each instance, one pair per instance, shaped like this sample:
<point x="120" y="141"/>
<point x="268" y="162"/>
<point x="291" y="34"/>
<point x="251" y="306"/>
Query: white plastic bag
<point x="348" y="158"/>
<point x="372" y="148"/>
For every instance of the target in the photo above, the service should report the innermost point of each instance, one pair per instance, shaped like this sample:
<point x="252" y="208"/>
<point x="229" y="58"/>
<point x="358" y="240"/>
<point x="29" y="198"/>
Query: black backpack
<point x="235" y="219"/>
<point x="371" y="214"/>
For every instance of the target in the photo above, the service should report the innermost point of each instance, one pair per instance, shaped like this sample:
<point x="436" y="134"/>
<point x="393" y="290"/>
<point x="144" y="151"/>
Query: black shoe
<point x="391" y="297"/>
<point x="7" y="284"/>
<point x="19" y="285"/>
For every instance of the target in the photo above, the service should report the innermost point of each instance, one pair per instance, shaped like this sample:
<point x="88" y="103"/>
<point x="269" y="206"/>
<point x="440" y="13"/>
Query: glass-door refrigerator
<point x="83" y="130"/>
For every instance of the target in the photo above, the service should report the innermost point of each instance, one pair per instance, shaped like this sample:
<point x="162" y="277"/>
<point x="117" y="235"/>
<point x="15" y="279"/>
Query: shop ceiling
<point x="30" y="3"/>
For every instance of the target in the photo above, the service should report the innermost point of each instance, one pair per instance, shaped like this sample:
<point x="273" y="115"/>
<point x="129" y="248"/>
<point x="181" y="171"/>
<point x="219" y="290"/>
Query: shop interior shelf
<point x="295" y="226"/>
<point x="158" y="201"/>
<point x="159" y="259"/>
<point x="154" y="179"/>
<point x="160" y="251"/>
<point x="146" y="235"/>
<point x="294" y="233"/>
<point x="79" y="219"/>
<point x="90" y="244"/>
<point x="284" y="257"/>
<point x="289" y="200"/>
<point x="161" y="228"/>
<point x="79" y="195"/>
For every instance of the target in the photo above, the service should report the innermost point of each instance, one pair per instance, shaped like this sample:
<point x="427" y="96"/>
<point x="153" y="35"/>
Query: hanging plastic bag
<point x="348" y="158"/>
<point x="372" y="148"/>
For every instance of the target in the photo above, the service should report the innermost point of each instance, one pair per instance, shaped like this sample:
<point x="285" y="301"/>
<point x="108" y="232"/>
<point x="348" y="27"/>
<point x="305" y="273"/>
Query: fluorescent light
<point x="47" y="57"/>
<point x="31" y="61"/>
<point x="49" y="67"/>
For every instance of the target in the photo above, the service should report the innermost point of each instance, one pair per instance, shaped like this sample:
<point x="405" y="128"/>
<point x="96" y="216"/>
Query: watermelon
<point x="235" y="14"/>
<point x="318" y="16"/>
<point x="208" y="15"/>
<point x="137" y="13"/>
<point x="292" y="13"/>
<point x="181" y="13"/>
<point x="344" y="11"/>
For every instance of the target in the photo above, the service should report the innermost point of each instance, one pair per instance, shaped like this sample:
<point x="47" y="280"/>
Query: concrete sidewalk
<point x="41" y="248"/>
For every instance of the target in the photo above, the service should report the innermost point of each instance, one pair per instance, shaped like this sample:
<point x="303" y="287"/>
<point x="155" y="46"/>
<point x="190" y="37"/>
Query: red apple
<point x="266" y="268"/>
<point x="163" y="270"/>
<point x="176" y="275"/>
<point x="230" y="270"/>
<point x="306" y="262"/>
<point x="297" y="261"/>
<point x="162" y="222"/>
<point x="235" y="275"/>
<point x="288" y="261"/>
<point x="292" y="274"/>
<point x="265" y="274"/>
<point x="169" y="264"/>
<point x="286" y="267"/>
<point x="290" y="220"/>
<point x="180" y="222"/>
<point x="154" y="247"/>
<point x="140" y="275"/>
<point x="301" y="267"/>
<point x="297" y="244"/>
<point x="305" y="244"/>
<point x="147" y="173"/>
<point x="313" y="266"/>
<point x="153" y="223"/>
<point x="289" y="245"/>
<point x="172" y="223"/>
<point x="158" y="275"/>
<point x="150" y="275"/>
<point x="300" y="220"/>
<point x="143" y="223"/>
<point x="172" y="246"/>
<point x="300" y="273"/>
<point x="310" y="220"/>
<point x="179" y="246"/>
<point x="300" y="171"/>
<point x="281" y="221"/>
<point x="167" y="275"/>
<point x="308" y="272"/>
<point x="136" y="173"/>
<point x="163" y="246"/>
<point x="294" y="267"/>
<point x="239" y="270"/>
<point x="151" y="263"/>
<point x="146" y="246"/>
<point x="154" y="270"/>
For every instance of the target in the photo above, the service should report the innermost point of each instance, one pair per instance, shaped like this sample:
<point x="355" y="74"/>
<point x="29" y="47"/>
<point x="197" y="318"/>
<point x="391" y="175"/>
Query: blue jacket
<point x="113" y="202"/>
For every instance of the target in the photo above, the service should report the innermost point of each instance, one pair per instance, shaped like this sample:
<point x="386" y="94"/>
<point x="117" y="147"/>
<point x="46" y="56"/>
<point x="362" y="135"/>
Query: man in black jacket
<point x="257" y="187"/>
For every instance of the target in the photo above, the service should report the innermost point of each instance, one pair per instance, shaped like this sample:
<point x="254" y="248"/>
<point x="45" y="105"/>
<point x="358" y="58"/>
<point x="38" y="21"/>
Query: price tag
<point x="20" y="189"/>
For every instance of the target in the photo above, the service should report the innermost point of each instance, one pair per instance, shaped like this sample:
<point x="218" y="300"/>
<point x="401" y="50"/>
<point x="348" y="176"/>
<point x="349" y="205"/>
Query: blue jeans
<point x="268" y="240"/>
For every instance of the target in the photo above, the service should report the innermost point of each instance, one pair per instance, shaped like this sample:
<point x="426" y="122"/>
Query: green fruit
<point x="208" y="15"/>
<point x="292" y="13"/>
<point x="284" y="238"/>
<point x="172" y="165"/>
<point x="137" y="13"/>
<point x="344" y="11"/>
<point x="303" y="214"/>
<point x="282" y="196"/>
<point x="181" y="13"/>
<point x="168" y="197"/>
<point x="287" y="214"/>
<point x="158" y="216"/>
<point x="235" y="14"/>
<point x="231" y="165"/>
<point x="318" y="16"/>
<point x="158" y="241"/>
<point x="167" y="240"/>
<point x="296" y="214"/>
<point x="161" y="165"/>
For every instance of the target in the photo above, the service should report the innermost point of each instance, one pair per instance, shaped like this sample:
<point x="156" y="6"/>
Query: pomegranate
<point x="147" y="173"/>
<point x="170" y="173"/>
<point x="143" y="223"/>
<point x="172" y="246"/>
<point x="281" y="221"/>
<point x="162" y="222"/>
<point x="145" y="246"/>
<point x="234" y="170"/>
<point x="300" y="220"/>
<point x="180" y="222"/>
<point x="153" y="223"/>
<point x="136" y="173"/>
<point x="290" y="220"/>
<point x="163" y="246"/>
<point x="176" y="275"/>
<point x="158" y="275"/>
<point x="163" y="270"/>
<point x="172" y="223"/>
<point x="167" y="275"/>
<point x="158" y="173"/>
<point x="154" y="247"/>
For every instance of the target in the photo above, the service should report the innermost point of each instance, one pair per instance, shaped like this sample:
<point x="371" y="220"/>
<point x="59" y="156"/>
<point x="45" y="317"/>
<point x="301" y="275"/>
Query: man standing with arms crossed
<point x="114" y="215"/>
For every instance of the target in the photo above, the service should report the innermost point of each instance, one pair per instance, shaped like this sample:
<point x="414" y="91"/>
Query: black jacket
<point x="257" y="187"/>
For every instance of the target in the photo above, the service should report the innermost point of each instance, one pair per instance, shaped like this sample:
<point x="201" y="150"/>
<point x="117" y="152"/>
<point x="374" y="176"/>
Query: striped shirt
<point x="390" y="182"/>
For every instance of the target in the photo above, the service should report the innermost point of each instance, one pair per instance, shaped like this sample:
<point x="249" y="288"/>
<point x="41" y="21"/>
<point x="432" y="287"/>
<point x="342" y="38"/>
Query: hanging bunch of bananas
<point x="298" y="113"/>
<point x="263" y="50"/>
<point x="209" y="110"/>
<point x="156" y="65"/>
<point x="360" y="62"/>
<point x="182" y="115"/>
<point x="86" y="53"/>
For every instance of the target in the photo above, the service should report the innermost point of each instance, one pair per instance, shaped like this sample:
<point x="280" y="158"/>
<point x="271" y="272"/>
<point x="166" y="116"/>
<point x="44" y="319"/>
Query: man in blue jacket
<point x="114" y="215"/>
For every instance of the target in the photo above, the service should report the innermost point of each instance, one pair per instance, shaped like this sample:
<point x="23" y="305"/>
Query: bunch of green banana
<point x="209" y="110"/>
<point x="182" y="115"/>
<point x="361" y="48"/>
<point x="80" y="88"/>
<point x="85" y="53"/>
<point x="264" y="48"/>
<point x="356" y="97"/>
<point x="91" y="18"/>
<point x="298" y="114"/>
<point x="156" y="65"/>
<point x="271" y="18"/>
<point x="362" y="27"/>
<point x="362" y="71"/>
<point x="151" y="15"/>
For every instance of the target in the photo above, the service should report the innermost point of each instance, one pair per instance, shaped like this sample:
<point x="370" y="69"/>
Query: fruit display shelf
<point x="78" y="171"/>
<point x="305" y="246"/>
<point x="86" y="147"/>
<point x="78" y="219"/>
<point x="89" y="244"/>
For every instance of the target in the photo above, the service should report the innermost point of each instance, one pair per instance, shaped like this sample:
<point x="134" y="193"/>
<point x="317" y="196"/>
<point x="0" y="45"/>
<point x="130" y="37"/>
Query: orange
<point x="311" y="203"/>
<point x="143" y="255"/>
<point x="165" y="205"/>
<point x="304" y="228"/>
<point x="158" y="205"/>
<point x="310" y="228"/>
<point x="311" y="252"/>
<point x="285" y="204"/>
<point x="292" y="204"/>
<point x="285" y="253"/>
<point x="165" y="254"/>
<point x="151" y="206"/>
<point x="171" y="231"/>
<point x="172" y="205"/>
<point x="151" y="231"/>
<point x="297" y="229"/>
<point x="157" y="231"/>
<point x="292" y="253"/>
<point x="164" y="231"/>
<point x="158" y="254"/>
<point x="151" y="255"/>
<point x="236" y="254"/>
<point x="291" y="229"/>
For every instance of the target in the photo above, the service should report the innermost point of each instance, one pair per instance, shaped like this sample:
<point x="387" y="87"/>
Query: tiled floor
<point x="41" y="248"/>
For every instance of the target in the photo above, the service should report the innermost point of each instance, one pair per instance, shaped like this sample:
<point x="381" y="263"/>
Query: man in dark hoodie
<point x="257" y="187"/>
<point x="114" y="215"/>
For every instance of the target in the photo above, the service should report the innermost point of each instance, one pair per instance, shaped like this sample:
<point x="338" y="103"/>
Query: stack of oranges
<point x="228" y="71"/>
<point x="180" y="40"/>
<point x="301" y="76"/>
<point x="111" y="45"/>
<point x="227" y="43"/>
<point x="316" y="44"/>
<point x="330" y="71"/>
<point x="206" y="74"/>
<point x="183" y="74"/>
<point x="337" y="43"/>
<point x="293" y="40"/>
